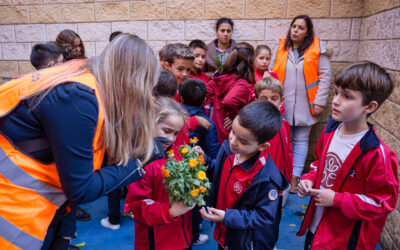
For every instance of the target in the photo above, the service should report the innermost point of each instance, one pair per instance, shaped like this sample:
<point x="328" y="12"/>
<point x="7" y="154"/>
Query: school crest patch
<point x="273" y="194"/>
<point x="238" y="187"/>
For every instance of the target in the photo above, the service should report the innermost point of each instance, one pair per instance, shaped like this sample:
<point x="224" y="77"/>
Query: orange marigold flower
<point x="201" y="175"/>
<point x="201" y="158"/>
<point x="170" y="152"/>
<point x="193" y="163"/>
<point x="166" y="173"/>
<point x="202" y="189"/>
<point x="194" y="140"/>
<point x="162" y="167"/>
<point x="184" y="150"/>
<point x="194" y="193"/>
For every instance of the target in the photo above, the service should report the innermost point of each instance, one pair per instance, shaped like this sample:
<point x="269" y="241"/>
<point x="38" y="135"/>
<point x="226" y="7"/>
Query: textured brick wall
<point x="353" y="29"/>
<point x="380" y="43"/>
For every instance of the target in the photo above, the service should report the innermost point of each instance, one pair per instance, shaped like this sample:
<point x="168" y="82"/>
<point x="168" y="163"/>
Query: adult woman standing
<point x="304" y="69"/>
<point x="219" y="49"/>
<point x="54" y="134"/>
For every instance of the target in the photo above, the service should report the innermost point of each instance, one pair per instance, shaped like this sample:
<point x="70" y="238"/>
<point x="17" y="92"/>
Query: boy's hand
<point x="203" y="122"/>
<point x="266" y="74"/>
<point x="178" y="208"/>
<point x="304" y="188"/>
<point x="318" y="110"/>
<point x="324" y="197"/>
<point x="213" y="214"/>
<point x="227" y="123"/>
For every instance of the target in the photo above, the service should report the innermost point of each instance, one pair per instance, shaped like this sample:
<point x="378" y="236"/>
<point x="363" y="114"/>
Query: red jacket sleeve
<point x="381" y="189"/>
<point x="210" y="93"/>
<point x="140" y="198"/>
<point x="237" y="97"/>
<point x="289" y="150"/>
<point x="312" y="175"/>
<point x="193" y="123"/>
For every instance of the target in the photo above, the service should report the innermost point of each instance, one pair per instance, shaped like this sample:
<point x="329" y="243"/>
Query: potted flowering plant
<point x="186" y="180"/>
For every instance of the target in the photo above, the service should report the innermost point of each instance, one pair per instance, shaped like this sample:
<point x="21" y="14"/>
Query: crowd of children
<point x="237" y="115"/>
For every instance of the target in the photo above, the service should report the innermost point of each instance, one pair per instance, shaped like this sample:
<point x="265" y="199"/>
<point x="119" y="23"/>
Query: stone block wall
<point x="353" y="29"/>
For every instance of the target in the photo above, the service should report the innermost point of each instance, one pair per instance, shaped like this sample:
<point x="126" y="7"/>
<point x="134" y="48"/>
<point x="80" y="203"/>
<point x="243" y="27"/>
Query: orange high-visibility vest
<point x="310" y="68"/>
<point x="30" y="191"/>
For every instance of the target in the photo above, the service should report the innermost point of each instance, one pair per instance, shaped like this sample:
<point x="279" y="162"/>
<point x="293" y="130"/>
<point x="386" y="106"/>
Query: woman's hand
<point x="178" y="208"/>
<point x="318" y="110"/>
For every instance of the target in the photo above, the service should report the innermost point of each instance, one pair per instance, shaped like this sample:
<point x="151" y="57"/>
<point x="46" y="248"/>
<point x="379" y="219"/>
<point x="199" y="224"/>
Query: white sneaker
<point x="203" y="238"/>
<point x="106" y="223"/>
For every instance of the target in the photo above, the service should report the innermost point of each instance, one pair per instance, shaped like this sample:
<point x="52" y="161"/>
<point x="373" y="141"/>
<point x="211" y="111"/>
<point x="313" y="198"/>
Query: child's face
<point x="169" y="128"/>
<point x="262" y="60"/>
<point x="271" y="96"/>
<point x="242" y="140"/>
<point x="199" y="58"/>
<point x="347" y="105"/>
<point x="180" y="68"/>
<point x="77" y="47"/>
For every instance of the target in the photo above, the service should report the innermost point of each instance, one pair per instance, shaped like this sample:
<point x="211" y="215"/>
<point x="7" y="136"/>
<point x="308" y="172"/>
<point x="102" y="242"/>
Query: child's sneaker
<point x="106" y="223"/>
<point x="203" y="238"/>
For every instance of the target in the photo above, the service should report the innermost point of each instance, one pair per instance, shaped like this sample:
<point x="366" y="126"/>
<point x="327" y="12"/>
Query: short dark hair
<point x="309" y="37"/>
<point x="193" y="92"/>
<point x="114" y="35"/>
<point x="166" y="85"/>
<point x="178" y="51"/>
<point x="241" y="62"/>
<point x="374" y="83"/>
<point x="262" y="118"/>
<point x="223" y="20"/>
<point x="163" y="54"/>
<point x="197" y="44"/>
<point x="43" y="53"/>
<point x="262" y="47"/>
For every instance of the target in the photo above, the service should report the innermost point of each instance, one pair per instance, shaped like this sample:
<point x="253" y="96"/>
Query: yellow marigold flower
<point x="194" y="193"/>
<point x="166" y="173"/>
<point x="184" y="151"/>
<point x="162" y="167"/>
<point x="170" y="152"/>
<point x="193" y="163"/>
<point x="201" y="158"/>
<point x="201" y="175"/>
<point x="202" y="189"/>
<point x="194" y="140"/>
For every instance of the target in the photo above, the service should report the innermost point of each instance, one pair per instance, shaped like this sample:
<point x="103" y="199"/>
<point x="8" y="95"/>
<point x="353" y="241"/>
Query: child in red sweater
<point x="160" y="224"/>
<point x="199" y="50"/>
<point x="280" y="149"/>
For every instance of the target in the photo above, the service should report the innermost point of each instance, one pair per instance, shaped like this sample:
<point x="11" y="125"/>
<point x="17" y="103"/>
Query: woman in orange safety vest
<point x="304" y="69"/>
<point x="56" y="124"/>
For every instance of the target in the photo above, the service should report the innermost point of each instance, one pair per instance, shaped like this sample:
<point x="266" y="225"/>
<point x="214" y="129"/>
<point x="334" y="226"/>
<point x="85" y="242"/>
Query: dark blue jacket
<point x="253" y="223"/>
<point x="208" y="139"/>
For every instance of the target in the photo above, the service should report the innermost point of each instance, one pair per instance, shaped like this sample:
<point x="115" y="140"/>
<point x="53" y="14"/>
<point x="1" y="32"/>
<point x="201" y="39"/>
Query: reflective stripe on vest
<point x="310" y="68"/>
<point x="30" y="191"/>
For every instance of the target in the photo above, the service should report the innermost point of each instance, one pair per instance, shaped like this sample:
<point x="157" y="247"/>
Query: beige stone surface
<point x="166" y="30"/>
<point x="94" y="32"/>
<point x="355" y="28"/>
<point x="45" y="13"/>
<point x="276" y="29"/>
<point x="156" y="46"/>
<point x="261" y="9"/>
<point x="7" y="33"/>
<point x="388" y="116"/>
<point x="148" y="10"/>
<point x="52" y="30"/>
<point x="347" y="8"/>
<point x="5" y="2"/>
<point x="58" y="1"/>
<point x="374" y="6"/>
<point x="389" y="53"/>
<point x="343" y="51"/>
<point x="138" y="28"/>
<point x="386" y="242"/>
<point x="396" y="24"/>
<point x="202" y="29"/>
<point x="332" y="29"/>
<point x="112" y="11"/>
<point x="313" y="8"/>
<point x="184" y="9"/>
<point x="14" y="14"/>
<point x="8" y="68"/>
<point x="225" y="8"/>
<point x="395" y="96"/>
<point x="100" y="47"/>
<point x="25" y="67"/>
<point x="369" y="50"/>
<point x="16" y="51"/>
<point x="379" y="26"/>
<point x="248" y="30"/>
<point x="17" y="2"/>
<point x="393" y="226"/>
<point x="75" y="13"/>
<point x="90" y="49"/>
<point x="30" y="33"/>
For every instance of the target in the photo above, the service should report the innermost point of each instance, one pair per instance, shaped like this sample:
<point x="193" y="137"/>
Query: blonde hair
<point x="166" y="106"/>
<point x="126" y="72"/>
<point x="270" y="83"/>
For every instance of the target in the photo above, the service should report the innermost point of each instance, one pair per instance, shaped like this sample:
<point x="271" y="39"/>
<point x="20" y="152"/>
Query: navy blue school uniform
<point x="253" y="220"/>
<point x="208" y="139"/>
